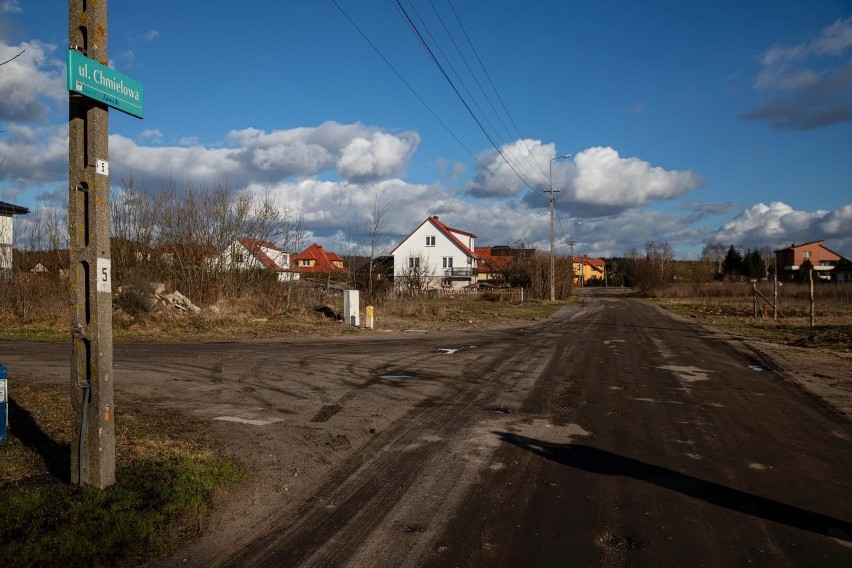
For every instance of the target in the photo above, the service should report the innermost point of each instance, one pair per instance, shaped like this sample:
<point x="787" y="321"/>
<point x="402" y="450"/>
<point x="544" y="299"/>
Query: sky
<point x="687" y="123"/>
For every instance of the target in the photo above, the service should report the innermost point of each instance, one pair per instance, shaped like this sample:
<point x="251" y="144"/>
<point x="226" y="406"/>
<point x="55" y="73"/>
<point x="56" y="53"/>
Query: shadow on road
<point x="56" y="456"/>
<point x="602" y="462"/>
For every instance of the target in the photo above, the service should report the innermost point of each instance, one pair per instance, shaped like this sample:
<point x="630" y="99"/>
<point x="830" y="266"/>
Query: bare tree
<point x="417" y="276"/>
<point x="375" y="227"/>
<point x="714" y="255"/>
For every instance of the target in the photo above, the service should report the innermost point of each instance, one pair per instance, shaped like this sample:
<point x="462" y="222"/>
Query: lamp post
<point x="552" y="258"/>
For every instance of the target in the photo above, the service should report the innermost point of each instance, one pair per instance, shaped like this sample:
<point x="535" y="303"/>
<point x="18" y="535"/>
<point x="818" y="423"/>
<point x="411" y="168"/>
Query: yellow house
<point x="586" y="268"/>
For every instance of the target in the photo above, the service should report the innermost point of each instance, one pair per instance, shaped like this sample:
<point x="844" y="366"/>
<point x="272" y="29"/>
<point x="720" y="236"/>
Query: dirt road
<point x="611" y="434"/>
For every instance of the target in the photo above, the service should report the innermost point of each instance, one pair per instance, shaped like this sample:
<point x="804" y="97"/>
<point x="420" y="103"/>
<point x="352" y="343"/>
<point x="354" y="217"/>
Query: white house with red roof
<point x="7" y="210"/>
<point x="252" y="254"/>
<point x="435" y="255"/>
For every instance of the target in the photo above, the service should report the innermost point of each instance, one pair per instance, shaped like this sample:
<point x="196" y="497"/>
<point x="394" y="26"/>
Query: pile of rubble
<point x="152" y="297"/>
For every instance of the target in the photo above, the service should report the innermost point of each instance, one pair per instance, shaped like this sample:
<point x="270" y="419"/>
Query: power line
<point x="419" y="98"/>
<point x="425" y="45"/>
<point x="491" y="82"/>
<point x="510" y="147"/>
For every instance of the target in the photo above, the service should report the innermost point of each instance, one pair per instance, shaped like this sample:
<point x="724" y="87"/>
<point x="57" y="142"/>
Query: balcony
<point x="460" y="273"/>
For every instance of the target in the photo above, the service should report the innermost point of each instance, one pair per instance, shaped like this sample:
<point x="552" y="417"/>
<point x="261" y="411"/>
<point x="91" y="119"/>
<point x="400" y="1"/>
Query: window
<point x="413" y="262"/>
<point x="430" y="241"/>
<point x="806" y="254"/>
<point x="447" y="262"/>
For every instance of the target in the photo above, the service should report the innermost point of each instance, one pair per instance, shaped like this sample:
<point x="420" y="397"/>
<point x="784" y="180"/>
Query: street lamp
<point x="552" y="258"/>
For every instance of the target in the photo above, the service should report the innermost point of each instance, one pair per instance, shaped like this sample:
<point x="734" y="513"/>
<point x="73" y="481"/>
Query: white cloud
<point x="597" y="182"/>
<point x="506" y="173"/>
<point x="151" y="35"/>
<point x="778" y="224"/>
<point x="34" y="155"/>
<point x="27" y="78"/>
<point x="360" y="153"/>
<point x="152" y="134"/>
<point x="600" y="177"/>
<point x="379" y="156"/>
<point x="195" y="164"/>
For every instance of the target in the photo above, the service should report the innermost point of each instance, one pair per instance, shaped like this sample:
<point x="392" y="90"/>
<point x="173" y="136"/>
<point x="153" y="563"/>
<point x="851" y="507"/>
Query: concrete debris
<point x="153" y="297"/>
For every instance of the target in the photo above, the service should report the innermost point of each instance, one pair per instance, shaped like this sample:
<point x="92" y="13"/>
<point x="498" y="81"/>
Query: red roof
<point x="254" y="247"/>
<point x="323" y="260"/>
<point x="489" y="263"/>
<point x="447" y="232"/>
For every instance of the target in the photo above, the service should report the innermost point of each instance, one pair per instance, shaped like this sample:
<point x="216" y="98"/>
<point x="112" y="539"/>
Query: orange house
<point x="317" y="260"/>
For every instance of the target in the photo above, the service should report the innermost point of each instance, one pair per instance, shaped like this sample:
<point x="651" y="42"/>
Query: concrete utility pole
<point x="90" y="278"/>
<point x="552" y="254"/>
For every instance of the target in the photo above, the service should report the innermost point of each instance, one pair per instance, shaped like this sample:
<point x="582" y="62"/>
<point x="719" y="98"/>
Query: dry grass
<point x="256" y="314"/>
<point x="39" y="442"/>
<point x="731" y="307"/>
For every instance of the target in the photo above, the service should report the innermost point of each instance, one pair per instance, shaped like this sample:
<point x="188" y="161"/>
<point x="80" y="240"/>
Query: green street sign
<point x="91" y="79"/>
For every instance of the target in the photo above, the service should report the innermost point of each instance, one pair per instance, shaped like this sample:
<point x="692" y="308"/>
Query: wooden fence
<point x="499" y="294"/>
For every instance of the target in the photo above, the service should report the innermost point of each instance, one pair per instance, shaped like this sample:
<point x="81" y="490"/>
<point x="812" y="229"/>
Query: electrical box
<point x="351" y="307"/>
<point x="4" y="405"/>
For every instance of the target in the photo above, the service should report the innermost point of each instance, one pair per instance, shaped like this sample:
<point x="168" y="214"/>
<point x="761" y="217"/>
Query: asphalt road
<point x="611" y="434"/>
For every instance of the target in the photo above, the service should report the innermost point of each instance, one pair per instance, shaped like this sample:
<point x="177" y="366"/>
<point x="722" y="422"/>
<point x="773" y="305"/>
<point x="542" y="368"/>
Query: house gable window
<point x="413" y="262"/>
<point x="806" y="254"/>
<point x="430" y="240"/>
<point x="447" y="262"/>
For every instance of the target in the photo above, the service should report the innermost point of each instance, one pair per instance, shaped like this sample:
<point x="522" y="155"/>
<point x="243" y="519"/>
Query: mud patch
<point x="620" y="542"/>
<point x="326" y="412"/>
<point x="338" y="442"/>
<point x="413" y="528"/>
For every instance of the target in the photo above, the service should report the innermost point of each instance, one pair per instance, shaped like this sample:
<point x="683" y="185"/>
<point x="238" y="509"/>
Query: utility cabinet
<point x="351" y="307"/>
<point x="4" y="405"/>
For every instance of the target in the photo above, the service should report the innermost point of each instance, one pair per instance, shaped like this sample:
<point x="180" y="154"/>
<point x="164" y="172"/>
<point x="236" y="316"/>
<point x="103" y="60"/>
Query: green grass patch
<point x="166" y="473"/>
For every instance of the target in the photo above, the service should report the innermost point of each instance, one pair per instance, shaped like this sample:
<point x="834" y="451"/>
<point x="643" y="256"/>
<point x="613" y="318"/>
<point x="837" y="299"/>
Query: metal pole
<point x="89" y="279"/>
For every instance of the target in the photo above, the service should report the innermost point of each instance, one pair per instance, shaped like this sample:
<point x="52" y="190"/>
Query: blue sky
<point x="688" y="122"/>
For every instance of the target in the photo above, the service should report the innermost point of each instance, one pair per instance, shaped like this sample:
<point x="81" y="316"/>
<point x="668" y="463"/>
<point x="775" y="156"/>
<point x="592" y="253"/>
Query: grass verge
<point x="166" y="474"/>
<point x="396" y="314"/>
<point x="832" y="330"/>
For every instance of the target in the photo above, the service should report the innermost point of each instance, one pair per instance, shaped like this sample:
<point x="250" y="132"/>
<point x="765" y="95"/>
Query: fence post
<point x="754" y="299"/>
<point x="775" y="296"/>
<point x="811" y="278"/>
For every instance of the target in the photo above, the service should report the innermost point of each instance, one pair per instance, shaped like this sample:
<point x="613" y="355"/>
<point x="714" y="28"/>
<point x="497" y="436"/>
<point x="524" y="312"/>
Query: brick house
<point x="789" y="260"/>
